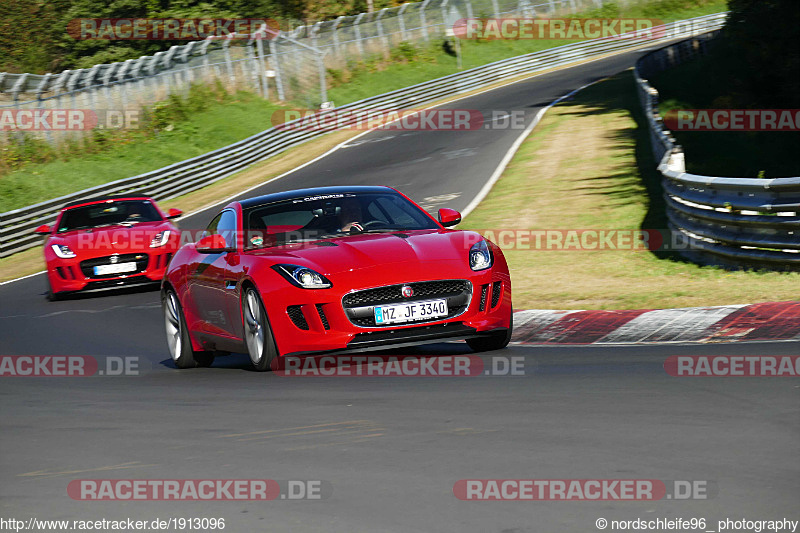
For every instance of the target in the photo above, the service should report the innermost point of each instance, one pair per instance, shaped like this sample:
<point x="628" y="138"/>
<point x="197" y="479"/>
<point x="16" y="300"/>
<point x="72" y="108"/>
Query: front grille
<point x="497" y="289"/>
<point x="359" y="306"/>
<point x="87" y="266"/>
<point x="322" y="317"/>
<point x="295" y="312"/>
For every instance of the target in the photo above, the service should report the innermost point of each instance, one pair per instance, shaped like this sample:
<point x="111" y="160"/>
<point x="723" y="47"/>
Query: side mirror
<point x="449" y="217"/>
<point x="44" y="229"/>
<point x="212" y="244"/>
<point x="174" y="213"/>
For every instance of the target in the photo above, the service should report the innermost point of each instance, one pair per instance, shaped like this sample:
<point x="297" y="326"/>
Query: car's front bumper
<point x="306" y="322"/>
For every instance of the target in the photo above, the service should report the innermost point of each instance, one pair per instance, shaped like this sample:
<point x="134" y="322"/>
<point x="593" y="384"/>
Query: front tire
<point x="257" y="332"/>
<point x="180" y="345"/>
<point x="51" y="296"/>
<point x="495" y="341"/>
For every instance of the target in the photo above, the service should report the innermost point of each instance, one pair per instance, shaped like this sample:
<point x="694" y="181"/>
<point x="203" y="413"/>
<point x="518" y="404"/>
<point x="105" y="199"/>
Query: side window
<point x="223" y="224"/>
<point x="211" y="229"/>
<point x="227" y="227"/>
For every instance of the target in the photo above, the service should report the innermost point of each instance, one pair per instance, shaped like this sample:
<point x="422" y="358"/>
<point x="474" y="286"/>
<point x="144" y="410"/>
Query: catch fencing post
<point x="276" y="66"/>
<point x="357" y="27"/>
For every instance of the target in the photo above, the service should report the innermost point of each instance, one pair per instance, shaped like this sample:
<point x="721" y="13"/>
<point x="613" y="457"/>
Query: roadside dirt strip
<point x="770" y="321"/>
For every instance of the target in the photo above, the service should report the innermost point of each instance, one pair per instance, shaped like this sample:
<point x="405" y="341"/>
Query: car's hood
<point x="376" y="249"/>
<point x="111" y="238"/>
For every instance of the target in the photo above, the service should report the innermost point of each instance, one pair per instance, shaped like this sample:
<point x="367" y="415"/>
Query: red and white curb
<point x="731" y="323"/>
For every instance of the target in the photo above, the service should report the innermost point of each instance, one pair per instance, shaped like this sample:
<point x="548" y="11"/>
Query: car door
<point x="211" y="285"/>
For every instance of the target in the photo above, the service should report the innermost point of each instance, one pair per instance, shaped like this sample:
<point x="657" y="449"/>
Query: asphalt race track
<point x="389" y="449"/>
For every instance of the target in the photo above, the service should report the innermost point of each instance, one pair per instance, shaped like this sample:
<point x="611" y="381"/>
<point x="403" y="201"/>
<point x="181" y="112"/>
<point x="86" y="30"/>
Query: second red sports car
<point x="332" y="269"/>
<point x="107" y="242"/>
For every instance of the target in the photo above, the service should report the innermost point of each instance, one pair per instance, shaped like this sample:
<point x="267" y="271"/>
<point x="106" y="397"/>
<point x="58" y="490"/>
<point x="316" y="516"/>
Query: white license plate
<point x="410" y="312"/>
<point x="119" y="268"/>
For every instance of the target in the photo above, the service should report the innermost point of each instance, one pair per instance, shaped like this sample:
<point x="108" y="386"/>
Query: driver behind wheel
<point x="350" y="216"/>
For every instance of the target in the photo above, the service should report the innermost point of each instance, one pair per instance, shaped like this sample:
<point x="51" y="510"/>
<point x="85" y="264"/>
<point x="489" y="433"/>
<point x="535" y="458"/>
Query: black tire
<point x="178" y="341"/>
<point x="495" y="341"/>
<point x="258" y="335"/>
<point x="51" y="296"/>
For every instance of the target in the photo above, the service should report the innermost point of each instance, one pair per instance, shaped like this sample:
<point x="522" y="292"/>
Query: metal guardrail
<point x="732" y="222"/>
<point x="16" y="227"/>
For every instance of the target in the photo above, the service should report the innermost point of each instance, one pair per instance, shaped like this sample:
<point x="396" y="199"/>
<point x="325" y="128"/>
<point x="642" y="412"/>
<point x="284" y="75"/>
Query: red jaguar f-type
<point x="108" y="242"/>
<point x="332" y="269"/>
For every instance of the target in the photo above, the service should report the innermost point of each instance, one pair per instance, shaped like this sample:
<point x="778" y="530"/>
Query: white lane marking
<point x="23" y="277"/>
<point x="430" y="202"/>
<point x="513" y="150"/>
<point x="461" y="152"/>
<point x="92" y="311"/>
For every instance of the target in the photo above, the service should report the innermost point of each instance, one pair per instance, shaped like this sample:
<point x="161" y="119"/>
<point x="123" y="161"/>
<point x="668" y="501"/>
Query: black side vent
<point x="322" y="316"/>
<point x="325" y="243"/>
<point x="484" y="290"/>
<point x="295" y="312"/>
<point x="497" y="289"/>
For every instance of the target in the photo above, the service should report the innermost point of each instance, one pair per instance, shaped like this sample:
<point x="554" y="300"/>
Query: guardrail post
<point x="495" y="9"/>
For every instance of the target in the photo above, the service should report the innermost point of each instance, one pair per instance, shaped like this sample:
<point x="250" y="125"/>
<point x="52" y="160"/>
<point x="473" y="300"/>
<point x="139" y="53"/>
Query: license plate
<point x="410" y="312"/>
<point x="119" y="268"/>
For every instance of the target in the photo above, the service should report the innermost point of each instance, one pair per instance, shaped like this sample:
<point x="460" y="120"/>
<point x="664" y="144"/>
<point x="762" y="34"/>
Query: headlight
<point x="63" y="251"/>
<point x="160" y="239"/>
<point x="480" y="258"/>
<point x="303" y="276"/>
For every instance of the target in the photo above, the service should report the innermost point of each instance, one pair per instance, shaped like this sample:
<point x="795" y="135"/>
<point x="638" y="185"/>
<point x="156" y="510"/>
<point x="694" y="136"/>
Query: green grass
<point x="221" y="124"/>
<point x="607" y="182"/>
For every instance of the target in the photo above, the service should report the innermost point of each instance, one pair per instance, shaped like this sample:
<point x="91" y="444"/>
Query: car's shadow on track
<point x="241" y="362"/>
<point x="104" y="293"/>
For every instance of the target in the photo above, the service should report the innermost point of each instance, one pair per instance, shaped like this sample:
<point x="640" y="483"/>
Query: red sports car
<point x="332" y="269"/>
<point x="108" y="242"/>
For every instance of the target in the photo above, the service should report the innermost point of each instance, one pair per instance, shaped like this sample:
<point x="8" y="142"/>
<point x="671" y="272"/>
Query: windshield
<point x="329" y="216"/>
<point x="112" y="212"/>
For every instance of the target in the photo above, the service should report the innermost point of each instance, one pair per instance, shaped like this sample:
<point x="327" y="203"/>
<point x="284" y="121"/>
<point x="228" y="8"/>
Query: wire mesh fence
<point x="285" y="66"/>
